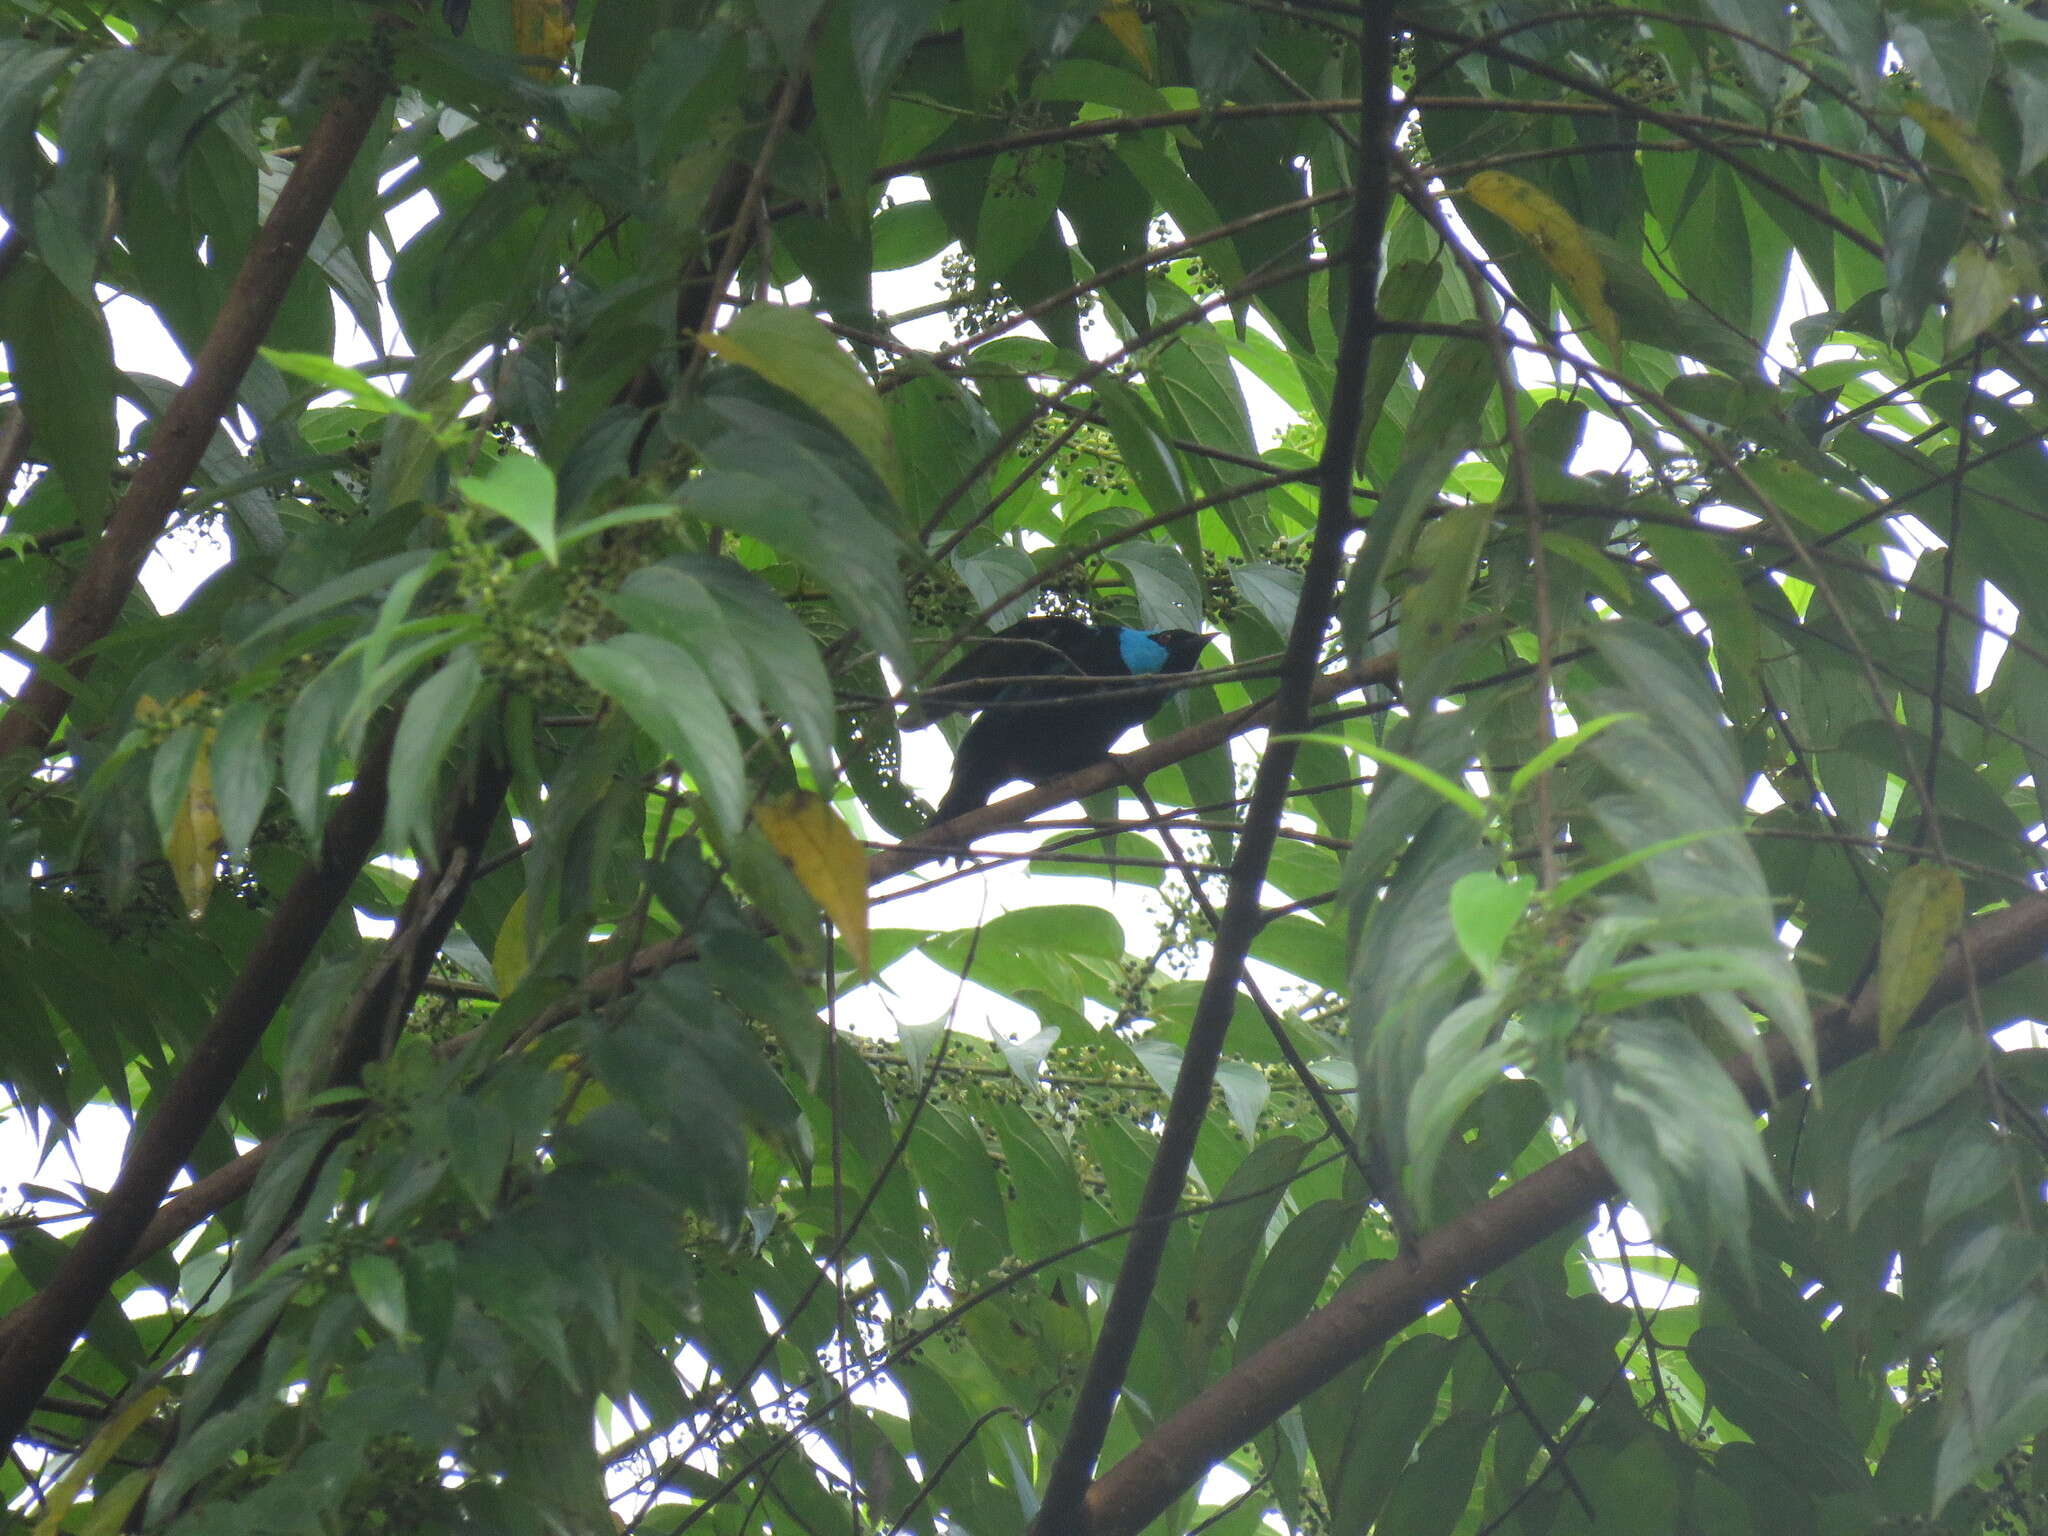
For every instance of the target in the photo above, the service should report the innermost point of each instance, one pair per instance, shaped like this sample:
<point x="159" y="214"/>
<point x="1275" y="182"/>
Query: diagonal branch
<point x="188" y="1208"/>
<point x="94" y="603"/>
<point x="40" y="1333"/>
<point x="1063" y="1509"/>
<point x="1372" y="1310"/>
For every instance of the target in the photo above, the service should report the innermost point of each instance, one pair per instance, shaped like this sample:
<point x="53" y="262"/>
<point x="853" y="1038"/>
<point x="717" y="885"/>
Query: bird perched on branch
<point x="1053" y="694"/>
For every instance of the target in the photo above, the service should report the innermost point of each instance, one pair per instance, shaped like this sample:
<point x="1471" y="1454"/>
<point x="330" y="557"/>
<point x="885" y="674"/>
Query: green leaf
<point x="788" y="670"/>
<point x="1484" y="911"/>
<point x="242" y="771"/>
<point x="1698" y="561"/>
<point x="1141" y="440"/>
<point x="343" y="589"/>
<point x="1572" y="887"/>
<point x="1231" y="1238"/>
<point x="800" y="507"/>
<point x="1446" y="789"/>
<point x="668" y="696"/>
<point x="618" y="517"/>
<point x="436" y="711"/>
<point x="1291" y="1280"/>
<point x="1169" y="597"/>
<point x="1922" y="912"/>
<point x="1557" y="751"/>
<point x="1274" y="590"/>
<point x="1046" y="1216"/>
<point x="908" y="235"/>
<point x="522" y="491"/>
<point x="1434" y="1489"/>
<point x="669" y="603"/>
<point x="1439" y="577"/>
<point x="170" y="772"/>
<point x="1441" y="431"/>
<point x="1019" y="197"/>
<point x="793" y="351"/>
<point x="1790" y="1419"/>
<point x="1670" y="1125"/>
<point x="26" y="70"/>
<point x="1460" y="1063"/>
<point x="310" y="748"/>
<point x="1400" y="1401"/>
<point x="61" y="358"/>
<point x="330" y="375"/>
<point x="380" y="1285"/>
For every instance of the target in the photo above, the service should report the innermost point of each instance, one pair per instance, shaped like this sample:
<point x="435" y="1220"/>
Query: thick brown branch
<point x="436" y="899"/>
<point x="1131" y="1298"/>
<point x="43" y="1329"/>
<point x="95" y="601"/>
<point x="189" y="1207"/>
<point x="1373" y="1309"/>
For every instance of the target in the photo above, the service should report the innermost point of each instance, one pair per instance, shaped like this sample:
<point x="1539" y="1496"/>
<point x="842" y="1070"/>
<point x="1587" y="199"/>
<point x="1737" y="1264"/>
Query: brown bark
<point x="41" y="1331"/>
<point x="1372" y="1310"/>
<point x="94" y="603"/>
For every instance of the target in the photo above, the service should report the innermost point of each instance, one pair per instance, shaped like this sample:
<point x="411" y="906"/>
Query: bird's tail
<point x="964" y="794"/>
<point x="974" y="781"/>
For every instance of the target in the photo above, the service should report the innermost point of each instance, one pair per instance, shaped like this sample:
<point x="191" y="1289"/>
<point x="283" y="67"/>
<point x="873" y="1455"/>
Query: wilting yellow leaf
<point x="1542" y="221"/>
<point x="192" y="840"/>
<point x="1121" y="17"/>
<point x="194" y="844"/>
<point x="827" y="858"/>
<point x="544" y="29"/>
<point x="1922" y="913"/>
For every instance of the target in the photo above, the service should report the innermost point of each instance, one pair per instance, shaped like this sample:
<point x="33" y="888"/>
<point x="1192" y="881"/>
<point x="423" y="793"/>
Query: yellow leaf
<point x="194" y="844"/>
<point x="543" y="29"/>
<point x="1121" y="17"/>
<point x="1922" y="913"/>
<point x="1542" y="221"/>
<point x="1970" y="155"/>
<point x="827" y="858"/>
<point x="509" y="959"/>
<point x="96" y="1455"/>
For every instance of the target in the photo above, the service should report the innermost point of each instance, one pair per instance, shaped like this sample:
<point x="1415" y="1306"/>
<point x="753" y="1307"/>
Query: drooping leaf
<point x="1922" y="913"/>
<point x="792" y="351"/>
<point x="827" y="858"/>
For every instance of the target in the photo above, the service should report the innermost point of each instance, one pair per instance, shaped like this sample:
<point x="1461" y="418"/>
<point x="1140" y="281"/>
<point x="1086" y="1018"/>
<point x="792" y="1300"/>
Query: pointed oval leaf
<point x="522" y="491"/>
<point x="1921" y="914"/>
<point x="433" y="715"/>
<point x="242" y="771"/>
<point x="792" y="350"/>
<point x="668" y="696"/>
<point x="827" y="858"/>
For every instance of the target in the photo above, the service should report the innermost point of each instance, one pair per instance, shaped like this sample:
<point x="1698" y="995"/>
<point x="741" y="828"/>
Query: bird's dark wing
<point x="1028" y="648"/>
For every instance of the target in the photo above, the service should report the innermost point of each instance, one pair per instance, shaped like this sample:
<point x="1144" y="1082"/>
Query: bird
<point x="1053" y="694"/>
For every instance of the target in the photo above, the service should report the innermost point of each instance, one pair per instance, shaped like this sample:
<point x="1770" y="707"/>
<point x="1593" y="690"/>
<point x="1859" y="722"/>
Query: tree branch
<point x="41" y="1331"/>
<point x="208" y="1196"/>
<point x="94" y="603"/>
<point x="1376" y="1307"/>
<point x="1063" y="1510"/>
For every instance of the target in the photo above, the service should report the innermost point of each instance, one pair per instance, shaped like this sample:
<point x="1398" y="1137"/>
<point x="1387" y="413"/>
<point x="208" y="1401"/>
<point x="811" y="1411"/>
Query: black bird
<point x="1054" y="695"/>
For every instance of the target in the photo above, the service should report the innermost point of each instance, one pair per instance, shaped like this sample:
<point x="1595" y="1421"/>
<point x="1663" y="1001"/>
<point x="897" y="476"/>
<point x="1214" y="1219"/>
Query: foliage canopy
<point x="463" y="884"/>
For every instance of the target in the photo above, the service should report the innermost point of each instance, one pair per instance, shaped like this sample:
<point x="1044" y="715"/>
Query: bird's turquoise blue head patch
<point x="1141" y="653"/>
